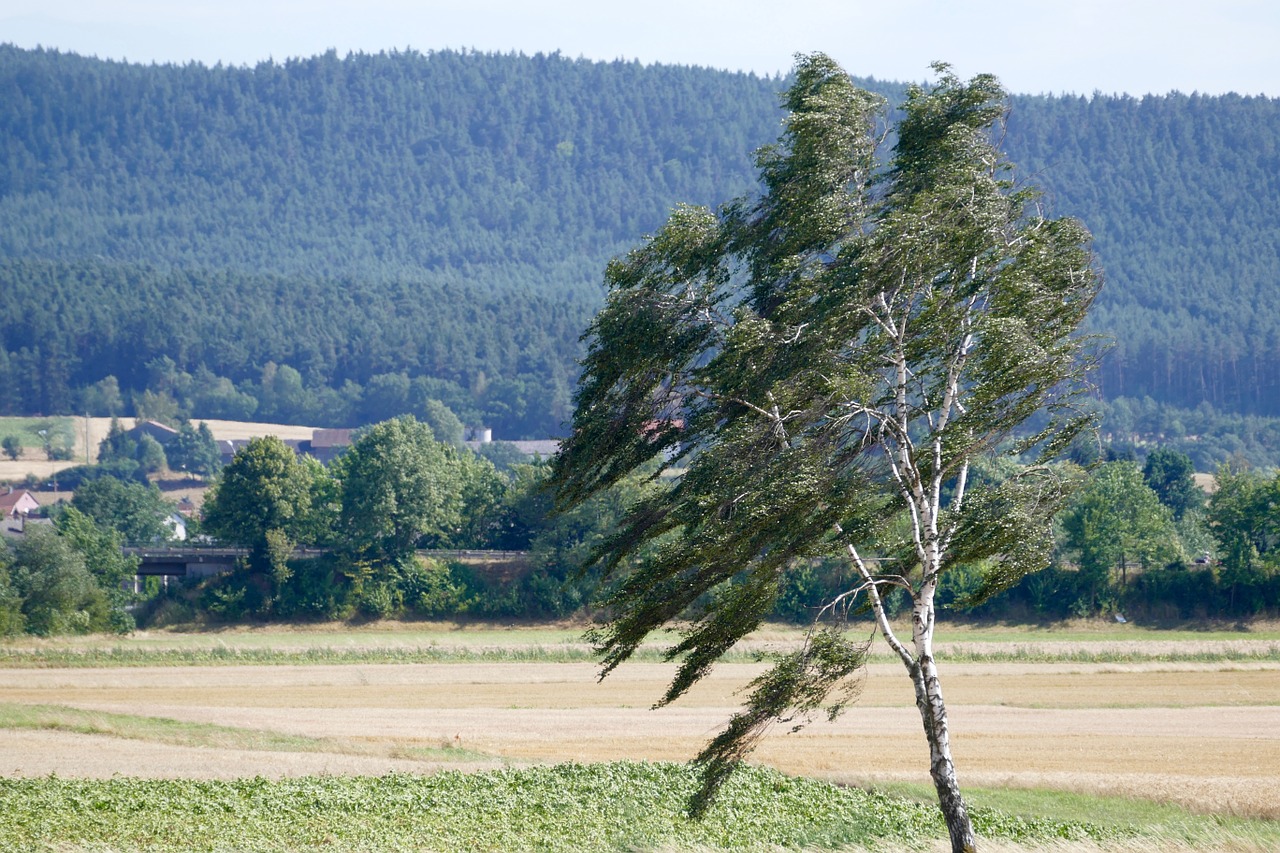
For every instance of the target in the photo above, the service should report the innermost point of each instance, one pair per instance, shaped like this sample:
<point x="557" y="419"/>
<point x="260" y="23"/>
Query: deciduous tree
<point x="134" y="510"/>
<point x="1117" y="521"/>
<point x="398" y="485"/>
<point x="1171" y="475"/>
<point x="824" y="362"/>
<point x="58" y="593"/>
<point x="265" y="488"/>
<point x="100" y="547"/>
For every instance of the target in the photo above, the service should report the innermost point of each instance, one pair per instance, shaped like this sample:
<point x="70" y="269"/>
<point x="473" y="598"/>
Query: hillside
<point x="336" y="240"/>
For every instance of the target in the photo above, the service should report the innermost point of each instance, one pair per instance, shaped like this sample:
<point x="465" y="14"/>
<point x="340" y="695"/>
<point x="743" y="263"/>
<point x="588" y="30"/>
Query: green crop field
<point x="613" y="806"/>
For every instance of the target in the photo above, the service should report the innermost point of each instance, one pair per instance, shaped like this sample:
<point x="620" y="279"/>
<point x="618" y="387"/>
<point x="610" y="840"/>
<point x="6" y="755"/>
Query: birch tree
<point x="821" y="363"/>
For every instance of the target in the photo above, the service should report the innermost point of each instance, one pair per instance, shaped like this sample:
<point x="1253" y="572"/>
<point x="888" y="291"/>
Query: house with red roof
<point x="18" y="503"/>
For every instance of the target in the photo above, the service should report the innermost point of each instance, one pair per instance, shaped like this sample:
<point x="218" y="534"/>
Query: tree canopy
<point x="398" y="485"/>
<point x="135" y="510"/>
<point x="265" y="491"/>
<point x="824" y="361"/>
<point x="1117" y="521"/>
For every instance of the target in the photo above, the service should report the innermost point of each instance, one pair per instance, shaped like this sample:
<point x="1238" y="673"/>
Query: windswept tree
<point x="824" y="362"/>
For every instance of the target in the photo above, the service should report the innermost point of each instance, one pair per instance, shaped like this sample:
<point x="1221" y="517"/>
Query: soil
<point x="1204" y="736"/>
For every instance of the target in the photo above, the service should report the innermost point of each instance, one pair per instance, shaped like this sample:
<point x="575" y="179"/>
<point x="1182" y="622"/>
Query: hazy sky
<point x="1134" y="46"/>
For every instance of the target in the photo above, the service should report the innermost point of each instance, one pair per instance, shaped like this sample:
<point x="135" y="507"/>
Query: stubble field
<point x="89" y="432"/>
<point x="1189" y="719"/>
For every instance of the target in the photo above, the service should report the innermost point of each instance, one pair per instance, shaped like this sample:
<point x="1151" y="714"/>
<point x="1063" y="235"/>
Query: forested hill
<point x="1182" y="194"/>
<point x="378" y="166"/>
<point x="331" y="240"/>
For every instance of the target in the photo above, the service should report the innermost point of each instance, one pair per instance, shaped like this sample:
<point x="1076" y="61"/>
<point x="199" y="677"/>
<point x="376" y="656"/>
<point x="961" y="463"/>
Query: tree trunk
<point x="933" y="713"/>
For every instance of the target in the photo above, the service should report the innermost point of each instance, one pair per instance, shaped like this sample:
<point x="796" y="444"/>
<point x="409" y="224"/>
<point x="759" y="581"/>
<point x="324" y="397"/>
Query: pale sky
<point x="1034" y="46"/>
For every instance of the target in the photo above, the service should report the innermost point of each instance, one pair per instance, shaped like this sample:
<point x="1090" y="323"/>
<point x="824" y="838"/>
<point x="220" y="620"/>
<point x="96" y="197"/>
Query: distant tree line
<point x="1139" y="540"/>
<point x="243" y="347"/>
<point x="397" y="490"/>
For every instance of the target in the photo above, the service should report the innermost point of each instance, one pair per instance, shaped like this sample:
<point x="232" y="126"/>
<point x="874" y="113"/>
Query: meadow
<point x="1085" y="737"/>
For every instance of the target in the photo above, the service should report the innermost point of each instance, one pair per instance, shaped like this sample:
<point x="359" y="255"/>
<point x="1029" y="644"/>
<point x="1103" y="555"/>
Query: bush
<point x="314" y="589"/>
<point x="432" y="589"/>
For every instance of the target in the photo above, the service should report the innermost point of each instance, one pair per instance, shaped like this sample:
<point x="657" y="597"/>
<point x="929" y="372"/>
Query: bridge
<point x="185" y="562"/>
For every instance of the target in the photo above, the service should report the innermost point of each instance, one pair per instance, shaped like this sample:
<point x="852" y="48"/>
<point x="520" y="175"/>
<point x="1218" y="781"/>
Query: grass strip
<point x="566" y="807"/>
<point x="222" y="655"/>
<point x="63" y="718"/>
<point x="1161" y="821"/>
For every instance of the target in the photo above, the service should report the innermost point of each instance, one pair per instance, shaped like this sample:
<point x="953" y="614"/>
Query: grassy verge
<point x="567" y="807"/>
<point x="1159" y="822"/>
<point x="27" y="430"/>
<point x="177" y="732"/>
<point x="224" y="655"/>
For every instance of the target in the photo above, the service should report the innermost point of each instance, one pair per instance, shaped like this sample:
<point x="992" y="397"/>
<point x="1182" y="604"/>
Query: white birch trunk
<point x="923" y="670"/>
<point x="933" y="714"/>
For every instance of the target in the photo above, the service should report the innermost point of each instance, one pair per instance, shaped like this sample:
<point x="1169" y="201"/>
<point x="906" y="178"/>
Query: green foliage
<point x="796" y="686"/>
<point x="103" y="398"/>
<point x="100" y="545"/>
<point x="1179" y="269"/>
<point x="125" y="470"/>
<point x="471" y="223"/>
<point x="150" y="455"/>
<point x="194" y="451"/>
<point x="268" y="500"/>
<point x="566" y="807"/>
<point x="1116" y="520"/>
<point x="159" y="406"/>
<point x="265" y="487"/>
<point x="134" y="510"/>
<point x="1170" y="475"/>
<point x="1208" y="435"/>
<point x="59" y="595"/>
<point x="482" y="490"/>
<point x="1244" y="515"/>
<point x="400" y="485"/>
<point x="434" y="589"/>
<point x="12" y="447"/>
<point x="12" y="620"/>
<point x="444" y="424"/>
<point x="485" y="210"/>
<point x="504" y="455"/>
<point x="315" y="588"/>
<point x="117" y="445"/>
<point x="824" y="362"/>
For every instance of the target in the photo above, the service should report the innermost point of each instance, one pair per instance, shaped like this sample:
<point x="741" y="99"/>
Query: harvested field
<point x="89" y="433"/>
<point x="1204" y="735"/>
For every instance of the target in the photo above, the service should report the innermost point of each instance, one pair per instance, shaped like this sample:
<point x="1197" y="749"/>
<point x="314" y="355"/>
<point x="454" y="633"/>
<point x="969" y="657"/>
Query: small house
<point x="18" y="503"/>
<point x="160" y="432"/>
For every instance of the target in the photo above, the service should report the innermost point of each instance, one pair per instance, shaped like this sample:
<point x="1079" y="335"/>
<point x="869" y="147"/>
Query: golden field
<point x="1204" y="735"/>
<point x="89" y="433"/>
